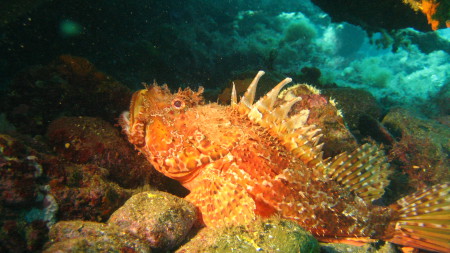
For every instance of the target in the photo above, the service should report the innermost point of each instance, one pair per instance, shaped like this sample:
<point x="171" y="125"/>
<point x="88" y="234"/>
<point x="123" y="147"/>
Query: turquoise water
<point x="400" y="60"/>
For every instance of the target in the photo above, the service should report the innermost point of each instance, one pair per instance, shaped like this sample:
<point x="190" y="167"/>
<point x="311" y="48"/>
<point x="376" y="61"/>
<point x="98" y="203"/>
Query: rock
<point x="374" y="15"/>
<point x="17" y="235"/>
<point x="84" y="192"/>
<point x="370" y="127"/>
<point x="85" y="236"/>
<point x="443" y="98"/>
<point x="92" y="140"/>
<point x="354" y="104"/>
<point x="273" y="235"/>
<point x="309" y="75"/>
<point x="422" y="147"/>
<point x="26" y="206"/>
<point x="367" y="248"/>
<point x="161" y="219"/>
<point x="19" y="172"/>
<point x="70" y="86"/>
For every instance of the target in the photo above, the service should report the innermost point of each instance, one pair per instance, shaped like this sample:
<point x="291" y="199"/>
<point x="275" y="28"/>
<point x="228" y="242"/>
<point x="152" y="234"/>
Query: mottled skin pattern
<point x="238" y="166"/>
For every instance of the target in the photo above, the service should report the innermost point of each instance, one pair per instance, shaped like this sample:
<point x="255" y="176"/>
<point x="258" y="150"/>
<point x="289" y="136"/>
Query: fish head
<point x="160" y="125"/>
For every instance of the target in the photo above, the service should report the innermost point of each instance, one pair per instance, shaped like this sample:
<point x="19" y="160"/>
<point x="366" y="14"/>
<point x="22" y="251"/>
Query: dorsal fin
<point x="364" y="171"/>
<point x="281" y="112"/>
<point x="233" y="96"/>
<point x="267" y="102"/>
<point x="298" y="137"/>
<point x="249" y="96"/>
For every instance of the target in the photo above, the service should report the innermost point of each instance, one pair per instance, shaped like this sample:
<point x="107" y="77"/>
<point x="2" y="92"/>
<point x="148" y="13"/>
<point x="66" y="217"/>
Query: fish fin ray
<point x="364" y="171"/>
<point x="424" y="219"/>
<point x="221" y="202"/>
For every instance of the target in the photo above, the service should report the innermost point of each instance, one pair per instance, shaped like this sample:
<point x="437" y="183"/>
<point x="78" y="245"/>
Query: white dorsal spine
<point x="267" y="102"/>
<point x="281" y="112"/>
<point x="247" y="100"/>
<point x="233" y="96"/>
<point x="293" y="131"/>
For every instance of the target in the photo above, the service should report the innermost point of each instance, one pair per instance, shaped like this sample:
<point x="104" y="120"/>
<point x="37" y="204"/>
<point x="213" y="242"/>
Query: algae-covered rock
<point x="272" y="235"/>
<point x="422" y="147"/>
<point x="84" y="191"/>
<point x="84" y="140"/>
<point x="86" y="236"/>
<point x="355" y="103"/>
<point x="162" y="219"/>
<point x="367" y="248"/>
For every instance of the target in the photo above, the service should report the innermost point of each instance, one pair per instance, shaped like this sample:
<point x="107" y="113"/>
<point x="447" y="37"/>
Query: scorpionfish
<point x="254" y="158"/>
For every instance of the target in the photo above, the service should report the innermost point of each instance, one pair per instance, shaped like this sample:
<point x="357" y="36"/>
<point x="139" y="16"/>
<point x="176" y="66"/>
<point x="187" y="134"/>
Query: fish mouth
<point x="133" y="121"/>
<point x="124" y="122"/>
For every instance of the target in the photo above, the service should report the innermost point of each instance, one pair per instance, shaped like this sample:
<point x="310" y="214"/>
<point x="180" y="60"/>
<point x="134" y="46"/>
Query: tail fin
<point x="424" y="219"/>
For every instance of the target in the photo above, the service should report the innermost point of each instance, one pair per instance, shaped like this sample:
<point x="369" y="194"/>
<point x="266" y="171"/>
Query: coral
<point x="69" y="184"/>
<point x="302" y="30"/>
<point x="376" y="75"/>
<point x="418" y="76"/>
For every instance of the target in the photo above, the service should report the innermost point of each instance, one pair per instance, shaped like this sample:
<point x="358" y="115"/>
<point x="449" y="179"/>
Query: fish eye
<point x="178" y="104"/>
